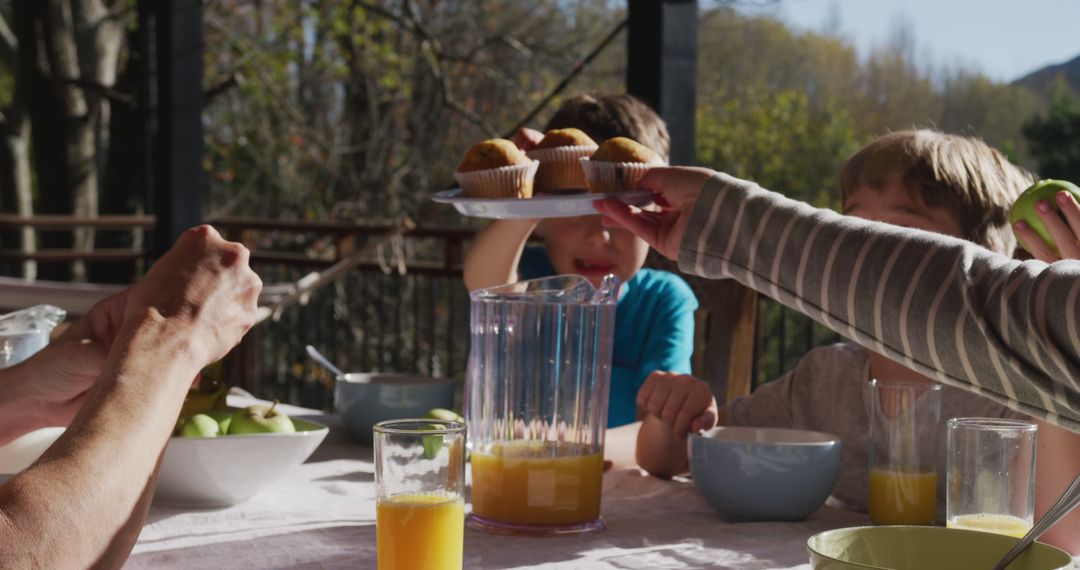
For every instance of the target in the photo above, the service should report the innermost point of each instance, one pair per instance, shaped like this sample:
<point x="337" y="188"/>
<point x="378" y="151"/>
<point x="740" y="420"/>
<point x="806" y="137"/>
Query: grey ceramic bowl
<point x="773" y="474"/>
<point x="363" y="400"/>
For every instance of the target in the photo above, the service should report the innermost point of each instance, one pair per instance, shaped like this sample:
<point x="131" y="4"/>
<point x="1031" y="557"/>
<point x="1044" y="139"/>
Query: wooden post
<point x="661" y="69"/>
<point x="171" y="99"/>
<point x="730" y="329"/>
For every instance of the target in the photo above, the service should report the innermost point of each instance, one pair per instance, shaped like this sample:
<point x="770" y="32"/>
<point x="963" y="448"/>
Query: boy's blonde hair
<point x="963" y="175"/>
<point x="605" y="116"/>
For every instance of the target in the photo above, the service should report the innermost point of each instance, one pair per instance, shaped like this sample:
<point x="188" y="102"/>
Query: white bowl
<point x="226" y="470"/>
<point x="22" y="451"/>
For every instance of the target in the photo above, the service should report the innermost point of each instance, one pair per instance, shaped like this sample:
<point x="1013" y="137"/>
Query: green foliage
<point x="1054" y="137"/>
<point x="779" y="142"/>
<point x="749" y="63"/>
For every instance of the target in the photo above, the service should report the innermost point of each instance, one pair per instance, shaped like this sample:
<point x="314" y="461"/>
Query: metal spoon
<point x="1068" y="501"/>
<point x="318" y="357"/>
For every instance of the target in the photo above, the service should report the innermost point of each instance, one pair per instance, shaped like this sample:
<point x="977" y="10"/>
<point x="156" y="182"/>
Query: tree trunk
<point x="68" y="59"/>
<point x="15" y="189"/>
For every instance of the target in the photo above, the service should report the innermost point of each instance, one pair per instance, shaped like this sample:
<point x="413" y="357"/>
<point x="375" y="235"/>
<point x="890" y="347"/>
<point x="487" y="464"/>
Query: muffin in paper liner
<point x="560" y="167"/>
<point x="514" y="181"/>
<point x="607" y="177"/>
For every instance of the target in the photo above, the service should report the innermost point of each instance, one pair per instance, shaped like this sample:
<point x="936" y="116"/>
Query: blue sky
<point x="1003" y="38"/>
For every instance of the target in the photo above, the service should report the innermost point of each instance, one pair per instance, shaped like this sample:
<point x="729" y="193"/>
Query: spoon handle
<point x="318" y="357"/>
<point x="1064" y="505"/>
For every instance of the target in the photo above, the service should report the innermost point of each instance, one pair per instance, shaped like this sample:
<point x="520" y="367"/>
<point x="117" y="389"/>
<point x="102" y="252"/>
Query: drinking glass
<point x="904" y="433"/>
<point x="991" y="481"/>
<point x="420" y="513"/>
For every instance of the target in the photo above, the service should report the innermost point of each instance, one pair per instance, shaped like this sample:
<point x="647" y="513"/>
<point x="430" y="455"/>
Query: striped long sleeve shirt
<point x="952" y="310"/>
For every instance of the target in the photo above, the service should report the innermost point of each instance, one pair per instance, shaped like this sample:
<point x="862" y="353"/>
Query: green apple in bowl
<point x="223" y="418"/>
<point x="1024" y="207"/>
<point x="260" y="419"/>
<point x="445" y="415"/>
<point x="200" y="425"/>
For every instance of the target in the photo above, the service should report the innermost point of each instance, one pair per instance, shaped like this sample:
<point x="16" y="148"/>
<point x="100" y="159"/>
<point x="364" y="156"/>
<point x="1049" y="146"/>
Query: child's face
<point x="582" y="245"/>
<point x="893" y="203"/>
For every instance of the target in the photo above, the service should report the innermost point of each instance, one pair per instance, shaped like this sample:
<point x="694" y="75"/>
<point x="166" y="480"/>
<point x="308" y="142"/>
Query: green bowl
<point x="924" y="548"/>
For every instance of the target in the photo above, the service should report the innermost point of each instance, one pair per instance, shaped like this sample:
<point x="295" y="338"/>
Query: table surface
<point x="322" y="515"/>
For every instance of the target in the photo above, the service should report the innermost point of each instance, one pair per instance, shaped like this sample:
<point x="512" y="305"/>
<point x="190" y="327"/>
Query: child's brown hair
<point x="963" y="175"/>
<point x="605" y="116"/>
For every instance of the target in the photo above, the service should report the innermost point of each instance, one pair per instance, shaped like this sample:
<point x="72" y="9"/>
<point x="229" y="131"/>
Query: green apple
<point x="223" y="418"/>
<point x="200" y="425"/>
<point x="1024" y="207"/>
<point x="260" y="419"/>
<point x="432" y="443"/>
<point x="445" y="415"/>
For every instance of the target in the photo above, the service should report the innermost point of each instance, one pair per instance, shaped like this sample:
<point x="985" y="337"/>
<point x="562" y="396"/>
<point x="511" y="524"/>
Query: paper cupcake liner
<point x="607" y="177"/>
<point x="560" y="167"/>
<point x="514" y="181"/>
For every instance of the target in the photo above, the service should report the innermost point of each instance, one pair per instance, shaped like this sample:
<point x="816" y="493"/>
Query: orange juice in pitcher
<point x="537" y="483"/>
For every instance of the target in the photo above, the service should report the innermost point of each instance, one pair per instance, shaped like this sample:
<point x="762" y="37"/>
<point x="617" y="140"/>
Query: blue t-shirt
<point x="654" y="330"/>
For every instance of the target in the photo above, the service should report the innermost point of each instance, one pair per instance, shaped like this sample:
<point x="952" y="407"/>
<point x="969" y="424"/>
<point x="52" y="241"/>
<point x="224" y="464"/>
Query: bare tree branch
<point x="111" y="93"/>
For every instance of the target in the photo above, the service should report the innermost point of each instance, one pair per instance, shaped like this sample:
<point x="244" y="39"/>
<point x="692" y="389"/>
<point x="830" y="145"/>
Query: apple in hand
<point x="200" y="425"/>
<point x="260" y="419"/>
<point x="1024" y="207"/>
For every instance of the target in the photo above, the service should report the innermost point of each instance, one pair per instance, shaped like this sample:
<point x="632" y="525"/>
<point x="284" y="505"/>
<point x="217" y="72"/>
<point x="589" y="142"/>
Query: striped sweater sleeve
<point x="952" y="310"/>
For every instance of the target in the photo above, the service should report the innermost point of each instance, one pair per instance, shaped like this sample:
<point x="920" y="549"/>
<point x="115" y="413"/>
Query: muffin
<point x="496" y="168"/>
<point x="618" y="164"/>
<point x="560" y="153"/>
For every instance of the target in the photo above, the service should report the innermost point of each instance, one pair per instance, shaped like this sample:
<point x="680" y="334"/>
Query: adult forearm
<point x="945" y="307"/>
<point x="69" y="507"/>
<point x="495" y="252"/>
<point x="19" y="414"/>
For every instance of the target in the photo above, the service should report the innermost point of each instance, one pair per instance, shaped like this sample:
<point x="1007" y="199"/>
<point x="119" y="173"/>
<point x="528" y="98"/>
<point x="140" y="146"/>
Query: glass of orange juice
<point x="420" y="513"/>
<point x="905" y="420"/>
<point x="991" y="475"/>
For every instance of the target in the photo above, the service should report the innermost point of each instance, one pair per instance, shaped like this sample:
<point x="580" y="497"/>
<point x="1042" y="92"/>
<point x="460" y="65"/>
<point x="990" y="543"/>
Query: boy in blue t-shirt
<point x="654" y="318"/>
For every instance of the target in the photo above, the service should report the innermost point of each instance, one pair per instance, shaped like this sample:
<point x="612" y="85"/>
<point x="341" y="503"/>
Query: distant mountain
<point x="1040" y="80"/>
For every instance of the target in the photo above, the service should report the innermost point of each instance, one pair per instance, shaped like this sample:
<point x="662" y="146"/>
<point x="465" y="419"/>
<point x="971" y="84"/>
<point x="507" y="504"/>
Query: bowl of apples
<point x="220" y="456"/>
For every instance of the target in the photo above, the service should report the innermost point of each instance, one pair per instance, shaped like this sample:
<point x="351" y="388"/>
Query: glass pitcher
<point x="25" y="332"/>
<point x="536" y="400"/>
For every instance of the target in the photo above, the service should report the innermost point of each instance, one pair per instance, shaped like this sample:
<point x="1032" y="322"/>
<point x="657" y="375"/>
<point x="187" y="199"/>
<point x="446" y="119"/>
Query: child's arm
<point x="495" y="252"/>
<point x="1057" y="462"/>
<point x="675" y="405"/>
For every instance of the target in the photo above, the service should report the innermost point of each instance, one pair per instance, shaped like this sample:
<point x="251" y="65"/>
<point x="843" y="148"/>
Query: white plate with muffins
<point x="562" y="205"/>
<point x="562" y="176"/>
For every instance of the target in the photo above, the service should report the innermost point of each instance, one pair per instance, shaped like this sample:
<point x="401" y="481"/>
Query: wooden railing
<point x="410" y="315"/>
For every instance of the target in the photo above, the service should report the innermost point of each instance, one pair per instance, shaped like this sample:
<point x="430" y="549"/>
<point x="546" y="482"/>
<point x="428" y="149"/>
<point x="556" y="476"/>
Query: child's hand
<point x="684" y="403"/>
<point x="526" y="139"/>
<point x="1064" y="231"/>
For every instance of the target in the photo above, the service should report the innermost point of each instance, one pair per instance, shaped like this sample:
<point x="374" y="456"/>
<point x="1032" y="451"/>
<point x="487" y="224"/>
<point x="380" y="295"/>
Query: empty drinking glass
<point x="991" y="466"/>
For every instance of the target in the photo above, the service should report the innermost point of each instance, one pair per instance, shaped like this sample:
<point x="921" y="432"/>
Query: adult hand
<point x="1063" y="231"/>
<point x="526" y="139"/>
<point x="677" y="190"/>
<point x="203" y="290"/>
<point x="684" y="403"/>
<point x="54" y="381"/>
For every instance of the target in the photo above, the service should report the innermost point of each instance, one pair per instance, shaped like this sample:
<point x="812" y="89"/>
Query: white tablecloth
<point x="323" y="516"/>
